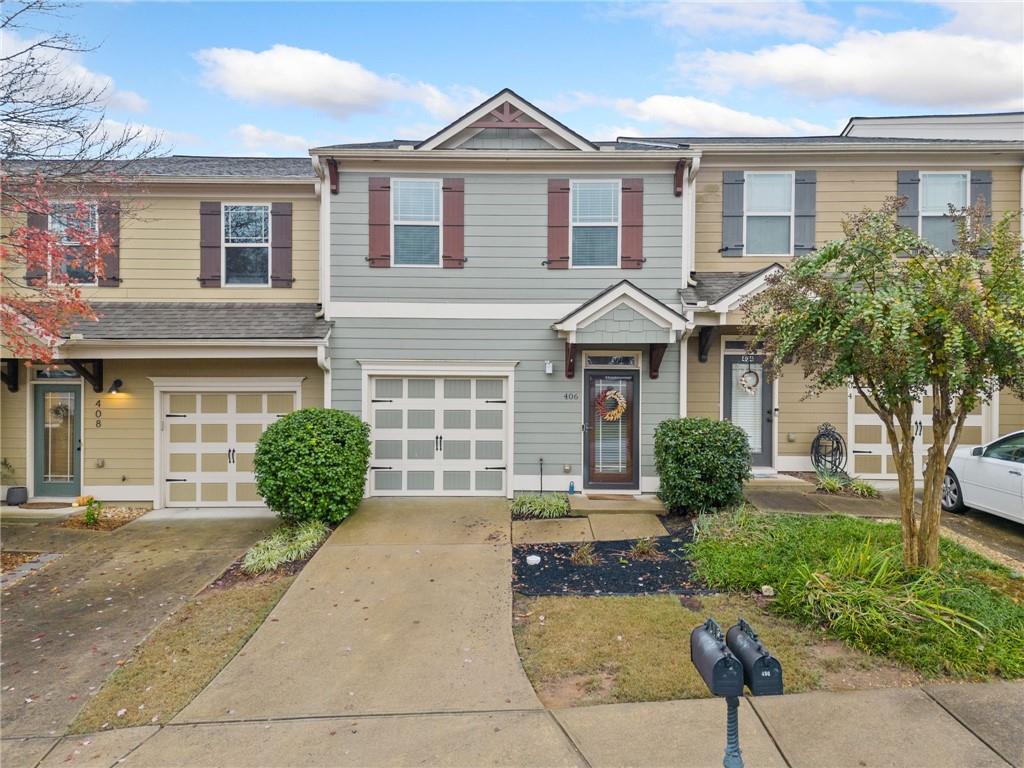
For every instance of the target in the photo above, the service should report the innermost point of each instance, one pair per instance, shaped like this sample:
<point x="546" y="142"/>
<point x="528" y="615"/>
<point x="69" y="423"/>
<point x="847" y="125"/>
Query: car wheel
<point x="952" y="496"/>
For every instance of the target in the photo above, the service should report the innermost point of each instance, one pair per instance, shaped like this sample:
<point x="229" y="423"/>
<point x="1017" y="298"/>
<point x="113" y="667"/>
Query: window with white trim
<point x="939" y="191"/>
<point x="416" y="222"/>
<point x="246" y="244"/>
<point x="768" y="213"/>
<point x="595" y="220"/>
<point x="73" y="224"/>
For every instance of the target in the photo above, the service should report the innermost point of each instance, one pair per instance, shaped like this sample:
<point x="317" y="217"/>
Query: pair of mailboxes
<point x="727" y="663"/>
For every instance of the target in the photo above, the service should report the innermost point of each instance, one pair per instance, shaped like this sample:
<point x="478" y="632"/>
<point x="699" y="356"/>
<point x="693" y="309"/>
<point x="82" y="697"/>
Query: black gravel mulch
<point x="614" y="573"/>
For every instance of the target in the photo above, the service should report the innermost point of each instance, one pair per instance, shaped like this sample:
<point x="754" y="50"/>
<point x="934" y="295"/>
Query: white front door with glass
<point x="438" y="436"/>
<point x="748" y="401"/>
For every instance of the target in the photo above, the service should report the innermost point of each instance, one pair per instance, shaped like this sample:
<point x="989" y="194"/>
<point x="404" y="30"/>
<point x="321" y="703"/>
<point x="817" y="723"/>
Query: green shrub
<point x="286" y="544"/>
<point x="551" y="505"/>
<point x="91" y="516"/>
<point x="702" y="463"/>
<point x="828" y="482"/>
<point x="863" y="488"/>
<point x="311" y="465"/>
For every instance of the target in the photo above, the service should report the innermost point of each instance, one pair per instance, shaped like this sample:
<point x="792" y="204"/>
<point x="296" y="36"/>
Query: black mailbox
<point x="722" y="672"/>
<point x="762" y="671"/>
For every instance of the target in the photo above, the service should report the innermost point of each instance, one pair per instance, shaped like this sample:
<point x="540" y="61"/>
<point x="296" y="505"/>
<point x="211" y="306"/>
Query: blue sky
<point x="275" y="78"/>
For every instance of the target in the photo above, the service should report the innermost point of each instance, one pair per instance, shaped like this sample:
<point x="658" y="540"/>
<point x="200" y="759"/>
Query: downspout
<point x="690" y="202"/>
<point x="324" y="246"/>
<point x="323" y="361"/>
<point x="684" y="365"/>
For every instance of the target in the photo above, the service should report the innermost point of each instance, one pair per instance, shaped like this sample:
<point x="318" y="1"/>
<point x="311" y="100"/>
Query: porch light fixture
<point x="115" y="386"/>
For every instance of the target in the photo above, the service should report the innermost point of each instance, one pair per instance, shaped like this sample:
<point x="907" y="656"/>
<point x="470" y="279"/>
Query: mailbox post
<point x="728" y="662"/>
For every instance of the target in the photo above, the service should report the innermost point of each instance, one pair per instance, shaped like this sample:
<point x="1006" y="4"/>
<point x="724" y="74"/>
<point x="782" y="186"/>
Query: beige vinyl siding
<point x="13" y="409"/>
<point x="841" y="190"/>
<point x="704" y="385"/>
<point x="801" y="418"/>
<point x="1011" y="412"/>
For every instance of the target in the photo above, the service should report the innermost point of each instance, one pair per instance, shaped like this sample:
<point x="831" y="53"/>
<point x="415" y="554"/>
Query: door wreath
<point x="605" y="410"/>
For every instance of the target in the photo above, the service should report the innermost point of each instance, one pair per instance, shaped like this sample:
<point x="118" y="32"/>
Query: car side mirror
<point x="978" y="451"/>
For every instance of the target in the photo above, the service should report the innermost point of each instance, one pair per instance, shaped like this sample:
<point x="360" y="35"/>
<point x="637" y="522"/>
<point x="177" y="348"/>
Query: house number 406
<point x="571" y="395"/>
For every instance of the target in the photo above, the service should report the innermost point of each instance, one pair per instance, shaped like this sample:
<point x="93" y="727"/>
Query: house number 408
<point x="99" y="414"/>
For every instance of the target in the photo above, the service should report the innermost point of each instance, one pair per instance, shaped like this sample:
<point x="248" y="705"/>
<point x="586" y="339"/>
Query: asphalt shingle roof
<point x="183" y="166"/>
<point x="711" y="287"/>
<point x="196" y="320"/>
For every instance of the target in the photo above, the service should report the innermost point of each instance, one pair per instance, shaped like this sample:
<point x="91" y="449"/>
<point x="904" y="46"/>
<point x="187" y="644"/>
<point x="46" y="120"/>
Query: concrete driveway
<point x="65" y="627"/>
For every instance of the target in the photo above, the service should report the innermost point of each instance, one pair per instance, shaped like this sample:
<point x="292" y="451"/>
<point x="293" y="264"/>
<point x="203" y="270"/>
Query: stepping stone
<point x="786" y="500"/>
<point x="615" y="527"/>
<point x="568" y="529"/>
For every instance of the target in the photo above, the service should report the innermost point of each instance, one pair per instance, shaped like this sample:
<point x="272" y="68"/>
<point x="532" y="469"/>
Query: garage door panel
<point x="391" y="418"/>
<point x="420" y="419"/>
<point x="215" y="403"/>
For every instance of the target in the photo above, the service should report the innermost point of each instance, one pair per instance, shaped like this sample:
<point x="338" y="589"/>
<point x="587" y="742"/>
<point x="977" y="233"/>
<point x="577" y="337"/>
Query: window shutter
<point x="209" y="245"/>
<point x="908" y="185"/>
<point x="633" y="224"/>
<point x="380" y="222"/>
<point x="981" y="188"/>
<point x="41" y="222"/>
<point x="732" y="214"/>
<point x="281" y="245"/>
<point x="558" y="224"/>
<point x="453" y="253"/>
<point x="804" y="211"/>
<point x="109" y="212"/>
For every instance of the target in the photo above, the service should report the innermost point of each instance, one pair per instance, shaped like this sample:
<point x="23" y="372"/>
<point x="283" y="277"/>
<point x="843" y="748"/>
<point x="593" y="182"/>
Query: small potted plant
<point x="16" y="494"/>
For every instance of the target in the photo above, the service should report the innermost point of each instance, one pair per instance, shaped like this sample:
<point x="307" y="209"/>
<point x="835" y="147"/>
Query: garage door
<point x="439" y="436"/>
<point x="209" y="441"/>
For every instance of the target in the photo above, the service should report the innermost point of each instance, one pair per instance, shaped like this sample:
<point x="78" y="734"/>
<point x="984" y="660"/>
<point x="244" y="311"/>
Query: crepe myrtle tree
<point x="886" y="313"/>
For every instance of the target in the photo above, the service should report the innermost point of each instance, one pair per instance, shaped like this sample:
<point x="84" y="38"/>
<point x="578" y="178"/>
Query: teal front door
<point x="58" y="439"/>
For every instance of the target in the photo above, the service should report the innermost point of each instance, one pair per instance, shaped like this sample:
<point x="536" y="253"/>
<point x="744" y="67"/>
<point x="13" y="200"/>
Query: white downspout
<point x="323" y="361"/>
<point x="690" y="231"/>
<point x="324" y="255"/>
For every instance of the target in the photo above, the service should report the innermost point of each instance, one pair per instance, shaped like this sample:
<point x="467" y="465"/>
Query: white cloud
<point x="929" y="68"/>
<point x="257" y="139"/>
<point x="289" y="76"/>
<point x="789" y="19"/>
<point x="1001" y="20"/>
<point x="144" y="133"/>
<point x="686" y="115"/>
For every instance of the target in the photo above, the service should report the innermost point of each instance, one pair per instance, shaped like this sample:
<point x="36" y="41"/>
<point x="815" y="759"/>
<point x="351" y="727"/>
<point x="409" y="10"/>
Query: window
<point x="938" y="192"/>
<point x="73" y="223"/>
<point x="768" y="214"/>
<point x="612" y="360"/>
<point x="247" y="244"/>
<point x="595" y="223"/>
<point x="416" y="222"/>
<point x="1008" y="449"/>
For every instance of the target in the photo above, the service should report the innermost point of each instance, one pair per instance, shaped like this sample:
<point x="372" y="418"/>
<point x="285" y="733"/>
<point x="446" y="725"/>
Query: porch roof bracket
<point x="704" y="339"/>
<point x="91" y="371"/>
<point x="657" y="354"/>
<point x="570" y="360"/>
<point x="10" y="374"/>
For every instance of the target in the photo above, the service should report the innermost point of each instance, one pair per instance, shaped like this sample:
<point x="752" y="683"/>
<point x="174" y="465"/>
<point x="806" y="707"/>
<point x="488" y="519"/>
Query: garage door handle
<point x="382" y="401"/>
<point x="380" y="467"/>
<point x="175" y="480"/>
<point x="495" y="401"/>
<point x="495" y="467"/>
<point x="175" y="415"/>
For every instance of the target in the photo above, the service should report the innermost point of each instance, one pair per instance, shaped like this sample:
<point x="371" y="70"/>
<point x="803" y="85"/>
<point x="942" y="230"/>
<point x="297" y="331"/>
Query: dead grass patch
<point x="11" y="560"/>
<point x="110" y="518"/>
<point x="593" y="650"/>
<point x="181" y="657"/>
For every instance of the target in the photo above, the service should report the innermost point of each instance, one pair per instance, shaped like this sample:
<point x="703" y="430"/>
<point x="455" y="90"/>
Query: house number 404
<point x="99" y="414"/>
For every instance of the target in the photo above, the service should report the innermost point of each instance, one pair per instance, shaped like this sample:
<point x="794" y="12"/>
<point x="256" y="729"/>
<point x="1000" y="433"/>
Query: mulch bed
<point x="614" y="573"/>
<point x="110" y="519"/>
<point x="11" y="560"/>
<point x="234" y="575"/>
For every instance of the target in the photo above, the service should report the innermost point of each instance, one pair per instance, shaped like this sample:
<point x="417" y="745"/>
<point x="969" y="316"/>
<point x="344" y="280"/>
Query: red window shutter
<point x="558" y="224"/>
<point x="40" y="221"/>
<point x="632" y="223"/>
<point x="380" y="222"/>
<point x="110" y="225"/>
<point x="453" y="196"/>
<point x="209" y="245"/>
<point x="281" y="245"/>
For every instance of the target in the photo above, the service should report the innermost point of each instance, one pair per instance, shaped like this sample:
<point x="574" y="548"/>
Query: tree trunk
<point x="931" y="508"/>
<point x="902" y="450"/>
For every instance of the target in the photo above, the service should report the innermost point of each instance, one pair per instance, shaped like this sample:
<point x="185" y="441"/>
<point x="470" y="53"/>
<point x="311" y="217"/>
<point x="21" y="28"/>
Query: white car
<point x="989" y="477"/>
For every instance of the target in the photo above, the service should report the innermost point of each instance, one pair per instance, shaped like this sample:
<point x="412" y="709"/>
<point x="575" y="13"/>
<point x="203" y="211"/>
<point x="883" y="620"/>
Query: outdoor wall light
<point x="549" y="367"/>
<point x="115" y="386"/>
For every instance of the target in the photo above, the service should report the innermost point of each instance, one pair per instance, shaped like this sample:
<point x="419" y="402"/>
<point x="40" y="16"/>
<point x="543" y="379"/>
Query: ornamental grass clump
<point x="285" y="545"/>
<point x="548" y="506"/>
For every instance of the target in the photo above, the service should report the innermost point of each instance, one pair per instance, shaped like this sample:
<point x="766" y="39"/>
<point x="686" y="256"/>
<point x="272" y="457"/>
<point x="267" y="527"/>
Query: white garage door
<point x="439" y="436"/>
<point x="209" y="441"/>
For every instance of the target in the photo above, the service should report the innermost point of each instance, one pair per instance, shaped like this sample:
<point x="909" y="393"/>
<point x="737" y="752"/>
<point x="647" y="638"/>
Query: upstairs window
<point x="73" y="224"/>
<point x="246" y="244"/>
<point x="595" y="223"/>
<point x="416" y="222"/>
<point x="938" y="192"/>
<point x="768" y="213"/>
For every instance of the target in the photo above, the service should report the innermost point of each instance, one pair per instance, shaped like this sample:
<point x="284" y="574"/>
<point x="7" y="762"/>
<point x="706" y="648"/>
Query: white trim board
<point x="120" y="492"/>
<point x="193" y="349"/>
<point x="449" y="310"/>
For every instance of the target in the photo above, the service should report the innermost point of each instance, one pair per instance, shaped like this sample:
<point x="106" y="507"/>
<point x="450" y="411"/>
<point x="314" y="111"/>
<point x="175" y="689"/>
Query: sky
<point x="246" y="78"/>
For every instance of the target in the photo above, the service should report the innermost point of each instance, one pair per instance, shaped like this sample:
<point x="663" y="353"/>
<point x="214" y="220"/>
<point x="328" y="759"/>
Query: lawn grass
<point x="181" y="656"/>
<point x="965" y="621"/>
<point x="592" y="650"/>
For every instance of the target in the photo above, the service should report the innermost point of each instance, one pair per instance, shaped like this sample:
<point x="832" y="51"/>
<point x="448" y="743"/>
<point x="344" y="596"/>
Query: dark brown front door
<point x="611" y="445"/>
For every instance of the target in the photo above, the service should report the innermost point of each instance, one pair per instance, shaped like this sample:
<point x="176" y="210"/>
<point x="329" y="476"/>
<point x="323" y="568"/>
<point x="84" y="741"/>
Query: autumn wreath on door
<point x="611" y="405"/>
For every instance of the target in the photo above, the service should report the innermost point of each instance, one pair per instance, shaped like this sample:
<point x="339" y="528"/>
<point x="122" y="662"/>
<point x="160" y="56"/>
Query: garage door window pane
<point x="421" y="388"/>
<point x="457" y="389"/>
<point x="388" y="388"/>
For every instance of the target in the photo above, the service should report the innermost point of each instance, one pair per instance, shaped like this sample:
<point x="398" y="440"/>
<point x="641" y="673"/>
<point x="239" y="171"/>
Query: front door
<point x="611" y="430"/>
<point x="748" y="401"/>
<point x="58" y="440"/>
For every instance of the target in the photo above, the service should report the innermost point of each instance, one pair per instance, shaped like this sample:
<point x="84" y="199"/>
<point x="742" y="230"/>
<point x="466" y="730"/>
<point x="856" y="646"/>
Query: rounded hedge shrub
<point x="702" y="463"/>
<point x="311" y="465"/>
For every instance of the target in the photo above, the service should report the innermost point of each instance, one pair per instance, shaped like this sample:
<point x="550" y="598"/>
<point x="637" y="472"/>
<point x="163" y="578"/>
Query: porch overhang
<point x="623" y="314"/>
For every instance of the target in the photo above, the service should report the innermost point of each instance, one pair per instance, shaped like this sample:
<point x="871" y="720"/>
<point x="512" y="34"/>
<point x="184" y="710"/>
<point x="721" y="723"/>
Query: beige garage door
<point x="209" y="441"/>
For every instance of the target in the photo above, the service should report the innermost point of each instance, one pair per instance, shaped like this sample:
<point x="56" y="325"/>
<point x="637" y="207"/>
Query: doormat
<point x="610" y="496"/>
<point x="45" y="505"/>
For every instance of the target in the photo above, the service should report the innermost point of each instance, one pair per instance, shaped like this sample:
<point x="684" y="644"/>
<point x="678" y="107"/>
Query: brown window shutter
<point x="110" y="225"/>
<point x="281" y="245"/>
<point x="453" y="247"/>
<point x="633" y="223"/>
<point x="209" y="245"/>
<point x="380" y="222"/>
<point x="558" y="224"/>
<point x="40" y="221"/>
